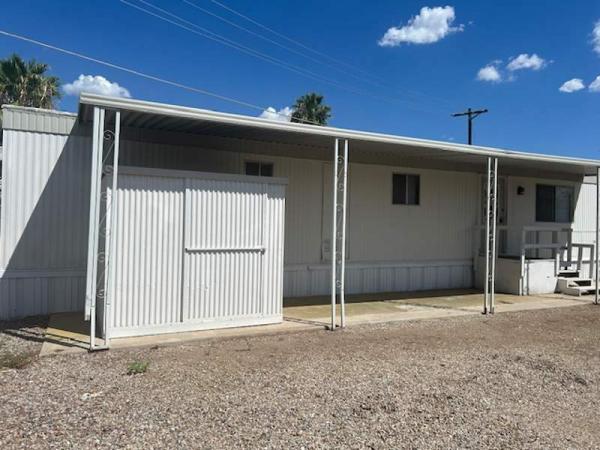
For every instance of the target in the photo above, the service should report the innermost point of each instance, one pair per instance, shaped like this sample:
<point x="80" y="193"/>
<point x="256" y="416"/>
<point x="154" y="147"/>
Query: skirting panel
<point x="307" y="280"/>
<point x="25" y="294"/>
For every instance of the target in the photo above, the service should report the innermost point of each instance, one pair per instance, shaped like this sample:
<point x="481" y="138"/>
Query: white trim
<point x="235" y="119"/>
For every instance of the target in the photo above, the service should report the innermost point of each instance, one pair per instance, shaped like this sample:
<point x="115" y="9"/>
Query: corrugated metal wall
<point x="189" y="252"/>
<point x="584" y="226"/>
<point x="44" y="214"/>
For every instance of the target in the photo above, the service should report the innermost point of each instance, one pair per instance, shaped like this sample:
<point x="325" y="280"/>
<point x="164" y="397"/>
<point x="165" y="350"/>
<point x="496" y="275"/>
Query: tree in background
<point x="310" y="109"/>
<point x="26" y="83"/>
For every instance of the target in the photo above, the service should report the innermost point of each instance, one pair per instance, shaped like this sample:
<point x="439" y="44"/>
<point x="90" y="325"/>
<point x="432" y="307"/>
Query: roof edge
<point x="203" y="114"/>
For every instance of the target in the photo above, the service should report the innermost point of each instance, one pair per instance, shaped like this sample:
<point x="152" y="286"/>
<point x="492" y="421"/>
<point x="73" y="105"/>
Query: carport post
<point x="112" y="267"/>
<point x="92" y="260"/>
<point x="490" y="236"/>
<point x="343" y="239"/>
<point x="597" y="253"/>
<point x="334" y="235"/>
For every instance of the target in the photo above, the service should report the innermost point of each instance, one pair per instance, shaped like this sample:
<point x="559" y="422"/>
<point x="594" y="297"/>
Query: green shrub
<point x="137" y="367"/>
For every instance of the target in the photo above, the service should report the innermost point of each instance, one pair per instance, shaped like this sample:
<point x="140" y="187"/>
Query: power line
<point x="140" y="74"/>
<point x="323" y="55"/>
<point x="278" y="44"/>
<point x="293" y="41"/>
<point x="203" y="32"/>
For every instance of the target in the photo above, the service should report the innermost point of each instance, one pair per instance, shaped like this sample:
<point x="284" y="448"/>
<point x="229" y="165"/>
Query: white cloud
<point x="573" y="85"/>
<point x="595" y="85"/>
<point x="489" y="73"/>
<point x="596" y="37"/>
<point x="283" y="115"/>
<point x="429" y="26"/>
<point x="96" y="85"/>
<point x="525" y="61"/>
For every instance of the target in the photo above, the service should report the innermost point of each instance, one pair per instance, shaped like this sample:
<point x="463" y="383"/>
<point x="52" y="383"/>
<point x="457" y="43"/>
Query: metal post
<point x="343" y="250"/>
<point x="110" y="259"/>
<point x="334" y="235"/>
<point x="487" y="236"/>
<point x="494" y="239"/>
<point x="597" y="252"/>
<point x="95" y="180"/>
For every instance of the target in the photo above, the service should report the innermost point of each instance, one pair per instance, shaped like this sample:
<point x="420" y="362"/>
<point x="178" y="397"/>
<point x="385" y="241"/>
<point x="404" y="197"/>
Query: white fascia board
<point x="236" y="119"/>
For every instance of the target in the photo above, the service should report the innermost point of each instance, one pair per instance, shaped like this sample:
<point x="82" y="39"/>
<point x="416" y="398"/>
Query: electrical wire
<point x="278" y="44"/>
<point x="141" y="74"/>
<point x="323" y="55"/>
<point x="203" y="32"/>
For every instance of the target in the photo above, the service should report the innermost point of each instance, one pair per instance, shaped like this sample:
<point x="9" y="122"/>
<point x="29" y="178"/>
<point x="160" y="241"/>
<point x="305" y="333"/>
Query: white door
<point x="224" y="250"/>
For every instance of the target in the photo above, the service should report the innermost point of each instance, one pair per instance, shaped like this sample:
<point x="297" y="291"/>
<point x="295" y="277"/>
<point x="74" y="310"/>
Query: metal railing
<point x="544" y="242"/>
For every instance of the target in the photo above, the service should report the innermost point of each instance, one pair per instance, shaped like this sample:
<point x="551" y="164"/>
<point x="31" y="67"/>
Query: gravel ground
<point x="21" y="341"/>
<point x="517" y="380"/>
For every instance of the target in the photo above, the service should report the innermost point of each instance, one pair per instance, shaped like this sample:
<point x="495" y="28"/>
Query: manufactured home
<point x="151" y="218"/>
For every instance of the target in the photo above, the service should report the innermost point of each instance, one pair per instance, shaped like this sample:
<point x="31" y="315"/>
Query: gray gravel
<point x="518" y="380"/>
<point x="21" y="341"/>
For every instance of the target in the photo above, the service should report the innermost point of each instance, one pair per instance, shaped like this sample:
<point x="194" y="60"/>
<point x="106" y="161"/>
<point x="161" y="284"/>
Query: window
<point x="405" y="189"/>
<point x="553" y="203"/>
<point x="259" y="169"/>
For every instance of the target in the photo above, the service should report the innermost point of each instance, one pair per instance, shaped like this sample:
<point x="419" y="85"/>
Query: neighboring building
<point x="220" y="216"/>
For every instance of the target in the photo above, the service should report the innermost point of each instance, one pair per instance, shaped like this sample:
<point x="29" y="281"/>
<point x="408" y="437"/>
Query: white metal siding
<point x="221" y="280"/>
<point x="43" y="219"/>
<point x="149" y="251"/>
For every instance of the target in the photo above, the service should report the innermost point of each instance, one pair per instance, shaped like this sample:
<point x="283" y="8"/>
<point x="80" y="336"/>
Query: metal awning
<point x="310" y="141"/>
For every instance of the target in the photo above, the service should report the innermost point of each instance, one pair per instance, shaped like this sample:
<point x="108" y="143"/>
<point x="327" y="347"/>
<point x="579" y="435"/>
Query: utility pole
<point x="470" y="116"/>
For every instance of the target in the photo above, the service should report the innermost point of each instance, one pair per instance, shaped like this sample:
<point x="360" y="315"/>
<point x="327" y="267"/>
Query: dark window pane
<point x="413" y="189"/>
<point x="252" y="168"/>
<point x="398" y="189"/>
<point x="564" y="201"/>
<point x="266" y="170"/>
<point x="545" y="203"/>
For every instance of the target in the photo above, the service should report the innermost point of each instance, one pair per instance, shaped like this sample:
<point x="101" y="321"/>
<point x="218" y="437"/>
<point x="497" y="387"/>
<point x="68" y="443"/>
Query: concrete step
<point x="568" y="273"/>
<point x="575" y="286"/>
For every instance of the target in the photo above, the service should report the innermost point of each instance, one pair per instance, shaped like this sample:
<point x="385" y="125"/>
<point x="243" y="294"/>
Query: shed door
<point x="224" y="250"/>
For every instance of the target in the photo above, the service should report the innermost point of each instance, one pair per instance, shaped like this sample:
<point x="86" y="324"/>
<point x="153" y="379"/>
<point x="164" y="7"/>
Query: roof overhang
<point x="316" y="141"/>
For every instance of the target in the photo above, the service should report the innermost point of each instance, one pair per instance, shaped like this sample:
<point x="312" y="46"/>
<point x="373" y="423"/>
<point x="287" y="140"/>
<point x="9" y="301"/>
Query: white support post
<point x="597" y="252"/>
<point x="110" y="257"/>
<point x="92" y="260"/>
<point x="334" y="236"/>
<point x="487" y="237"/>
<point x="494" y="238"/>
<point x="343" y="239"/>
<point x="490" y="231"/>
<point x="338" y="236"/>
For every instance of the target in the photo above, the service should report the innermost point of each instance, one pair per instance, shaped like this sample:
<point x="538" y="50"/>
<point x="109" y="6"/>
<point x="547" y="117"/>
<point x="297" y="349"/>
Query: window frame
<point x="407" y="193"/>
<point x="555" y="197"/>
<point x="260" y="163"/>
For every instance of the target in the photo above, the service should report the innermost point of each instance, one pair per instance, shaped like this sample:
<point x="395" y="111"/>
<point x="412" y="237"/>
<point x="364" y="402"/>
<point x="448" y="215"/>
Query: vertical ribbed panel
<point x="149" y="251"/>
<point x="43" y="245"/>
<point x="584" y="223"/>
<point x="227" y="275"/>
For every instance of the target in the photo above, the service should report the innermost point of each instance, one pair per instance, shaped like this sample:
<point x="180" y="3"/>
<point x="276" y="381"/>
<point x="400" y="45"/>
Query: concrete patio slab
<point x="68" y="332"/>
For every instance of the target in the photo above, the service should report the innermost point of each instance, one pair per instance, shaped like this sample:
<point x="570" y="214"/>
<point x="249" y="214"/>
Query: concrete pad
<point x="66" y="332"/>
<point x="287" y="326"/>
<point x="69" y="333"/>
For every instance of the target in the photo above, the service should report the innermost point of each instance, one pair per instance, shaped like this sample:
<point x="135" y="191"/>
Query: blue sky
<point x="409" y="89"/>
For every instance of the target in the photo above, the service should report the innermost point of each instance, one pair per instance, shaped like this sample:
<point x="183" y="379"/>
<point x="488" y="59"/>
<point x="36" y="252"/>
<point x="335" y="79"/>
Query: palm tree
<point x="309" y="108"/>
<point x="26" y="83"/>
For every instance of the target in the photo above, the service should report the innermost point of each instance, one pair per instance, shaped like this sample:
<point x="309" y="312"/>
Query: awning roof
<point x="316" y="142"/>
